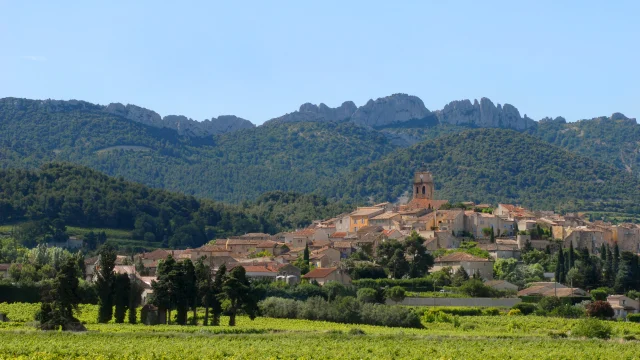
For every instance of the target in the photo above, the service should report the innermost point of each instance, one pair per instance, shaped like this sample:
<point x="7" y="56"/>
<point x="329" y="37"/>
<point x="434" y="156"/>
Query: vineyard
<point x="487" y="337"/>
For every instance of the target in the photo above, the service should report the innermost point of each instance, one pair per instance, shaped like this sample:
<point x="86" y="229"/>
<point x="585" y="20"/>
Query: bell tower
<point x="423" y="185"/>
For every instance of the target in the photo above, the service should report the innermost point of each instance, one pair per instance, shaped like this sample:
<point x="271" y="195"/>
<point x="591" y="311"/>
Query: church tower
<point x="423" y="185"/>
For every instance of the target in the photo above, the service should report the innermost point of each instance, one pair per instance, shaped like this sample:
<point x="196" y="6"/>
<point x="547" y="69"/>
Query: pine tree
<point x="305" y="256"/>
<point x="560" y="271"/>
<point x="492" y="238"/>
<point x="459" y="277"/>
<point x="237" y="290"/>
<point x="216" y="304"/>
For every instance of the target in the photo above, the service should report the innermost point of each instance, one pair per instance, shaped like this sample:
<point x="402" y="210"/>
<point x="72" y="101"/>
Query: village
<point x="503" y="231"/>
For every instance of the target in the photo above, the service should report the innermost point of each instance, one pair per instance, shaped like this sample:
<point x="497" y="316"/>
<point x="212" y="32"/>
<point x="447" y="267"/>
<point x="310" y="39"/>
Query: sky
<point x="261" y="59"/>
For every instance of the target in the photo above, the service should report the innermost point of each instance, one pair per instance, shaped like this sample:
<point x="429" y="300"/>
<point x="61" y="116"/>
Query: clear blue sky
<point x="259" y="60"/>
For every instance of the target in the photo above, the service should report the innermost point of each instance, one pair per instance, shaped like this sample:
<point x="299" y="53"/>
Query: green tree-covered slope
<point x="495" y="165"/>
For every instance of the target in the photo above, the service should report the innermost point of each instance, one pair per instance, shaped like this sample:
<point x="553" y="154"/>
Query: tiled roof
<point x="366" y="211"/>
<point x="370" y="229"/>
<point x="124" y="269"/>
<point x="242" y="242"/>
<point x="320" y="243"/>
<point x="267" y="244"/>
<point x="339" y="234"/>
<point x="4" y="267"/>
<point x="319" y="273"/>
<point x="342" y="244"/>
<point x="459" y="256"/>
<point x="304" y="232"/>
<point x="385" y="216"/>
<point x="425" y="204"/>
<point x="157" y="254"/>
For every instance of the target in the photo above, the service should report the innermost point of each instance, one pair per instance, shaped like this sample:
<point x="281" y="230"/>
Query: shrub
<point x="468" y="326"/>
<point x="475" y="288"/>
<point x="549" y="303"/>
<point x="525" y="308"/>
<point x="396" y="293"/>
<point x="568" y="311"/>
<point x="633" y="318"/>
<point x="367" y="295"/>
<point x="600" y="310"/>
<point x="356" y="331"/>
<point x="491" y="311"/>
<point x="592" y="328"/>
<point x="514" y="312"/>
<point x="557" y="334"/>
<point x="343" y="310"/>
<point x="598" y="295"/>
<point x="454" y="310"/>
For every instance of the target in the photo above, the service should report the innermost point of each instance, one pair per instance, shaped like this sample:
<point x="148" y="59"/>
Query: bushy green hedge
<point x="420" y="284"/>
<point x="633" y="317"/>
<point x="459" y="310"/>
<point x="342" y="310"/>
<point x="525" y="308"/>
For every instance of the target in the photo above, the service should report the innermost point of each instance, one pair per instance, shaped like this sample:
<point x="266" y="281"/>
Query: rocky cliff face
<point x="483" y="114"/>
<point x="182" y="124"/>
<point x="317" y="113"/>
<point x="388" y="110"/>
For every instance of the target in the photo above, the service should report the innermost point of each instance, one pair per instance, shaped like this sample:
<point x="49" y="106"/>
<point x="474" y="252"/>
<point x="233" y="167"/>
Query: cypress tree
<point x="616" y="258"/>
<point x="559" y="275"/>
<point x="216" y="304"/>
<point x="493" y="236"/>
<point x="571" y="256"/>
<point x="121" y="293"/>
<point x="104" y="284"/>
<point x="608" y="277"/>
<point x="603" y="252"/>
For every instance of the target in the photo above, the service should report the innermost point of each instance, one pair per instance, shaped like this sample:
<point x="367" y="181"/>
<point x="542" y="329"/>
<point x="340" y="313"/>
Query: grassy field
<point x="475" y="337"/>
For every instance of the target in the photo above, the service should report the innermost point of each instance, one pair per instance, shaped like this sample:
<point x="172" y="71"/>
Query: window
<point x="362" y="221"/>
<point x="424" y="190"/>
<point x="355" y="228"/>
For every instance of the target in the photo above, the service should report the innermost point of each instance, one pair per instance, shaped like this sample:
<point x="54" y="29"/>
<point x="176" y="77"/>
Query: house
<point x="241" y="246"/>
<point x="322" y="234"/>
<point x="471" y="264"/>
<point x="360" y="218"/>
<point x="319" y="244"/>
<point x="447" y="220"/>
<point x="583" y="237"/>
<point x="337" y="236"/>
<point x="393" y="234"/>
<point x="627" y="236"/>
<point x="255" y="237"/>
<point x="325" y="257"/>
<point x="153" y="257"/>
<point x="89" y="268"/>
<point x="623" y="305"/>
<point x="476" y="222"/>
<point x="387" y="220"/>
<point x="325" y="275"/>
<point x="269" y="271"/>
<point x="543" y="288"/>
<point x="502" y="251"/>
<point x="440" y="239"/>
<point x="513" y="212"/>
<point x="344" y="247"/>
<point x="501" y="285"/>
<point x="299" y="238"/>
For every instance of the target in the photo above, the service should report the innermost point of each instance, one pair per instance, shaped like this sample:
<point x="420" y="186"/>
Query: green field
<point x="486" y="337"/>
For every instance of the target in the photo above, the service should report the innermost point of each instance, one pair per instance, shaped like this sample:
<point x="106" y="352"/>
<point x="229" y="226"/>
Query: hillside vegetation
<point x="495" y="165"/>
<point x="80" y="197"/>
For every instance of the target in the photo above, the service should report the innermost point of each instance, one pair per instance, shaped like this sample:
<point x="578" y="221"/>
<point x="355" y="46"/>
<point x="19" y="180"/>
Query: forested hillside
<point x="322" y="158"/>
<point x="231" y="167"/>
<point x="495" y="165"/>
<point x="78" y="196"/>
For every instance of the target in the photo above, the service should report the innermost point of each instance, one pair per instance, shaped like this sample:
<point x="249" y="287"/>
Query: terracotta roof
<point x="389" y="232"/>
<point x="242" y="242"/>
<point x="147" y="279"/>
<point x="425" y="204"/>
<point x="366" y="211"/>
<point x="304" y="232"/>
<point x="459" y="256"/>
<point x="342" y="244"/>
<point x="497" y="282"/>
<point x="91" y="260"/>
<point x="370" y="229"/>
<point x="338" y="235"/>
<point x="319" y="273"/>
<point x="385" y="216"/>
<point x="267" y="244"/>
<point x="157" y="254"/>
<point x="210" y="248"/>
<point x="124" y="269"/>
<point x="4" y="267"/>
<point x="498" y="247"/>
<point x="258" y="268"/>
<point x="320" y="243"/>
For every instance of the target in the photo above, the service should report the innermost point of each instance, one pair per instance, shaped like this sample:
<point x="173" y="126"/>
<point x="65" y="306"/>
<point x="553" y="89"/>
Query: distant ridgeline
<point x="350" y="153"/>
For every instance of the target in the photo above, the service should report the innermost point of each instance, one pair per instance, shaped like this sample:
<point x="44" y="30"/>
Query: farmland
<point x="486" y="337"/>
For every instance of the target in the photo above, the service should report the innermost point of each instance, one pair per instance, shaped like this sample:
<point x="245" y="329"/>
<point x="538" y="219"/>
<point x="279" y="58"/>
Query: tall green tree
<point x="60" y="303"/>
<point x="165" y="288"/>
<point x="571" y="256"/>
<point x="603" y="252"/>
<point x="492" y="237"/>
<point x="616" y="258"/>
<point x="104" y="283"/>
<point x="216" y="303"/>
<point x="421" y="260"/>
<point x="237" y="290"/>
<point x="121" y="293"/>
<point x="204" y="285"/>
<point x="135" y="299"/>
<point x="608" y="275"/>
<point x="190" y="287"/>
<point x="560" y="270"/>
<point x="398" y="264"/>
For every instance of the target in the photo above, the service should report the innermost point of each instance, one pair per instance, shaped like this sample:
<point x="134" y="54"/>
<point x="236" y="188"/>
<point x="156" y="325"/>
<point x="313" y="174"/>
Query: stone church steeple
<point x="423" y="185"/>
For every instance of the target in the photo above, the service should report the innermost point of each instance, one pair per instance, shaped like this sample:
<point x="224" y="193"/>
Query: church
<point x="423" y="190"/>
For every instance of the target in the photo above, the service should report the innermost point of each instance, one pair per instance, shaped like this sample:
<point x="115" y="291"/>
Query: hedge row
<point x="31" y="293"/>
<point x="343" y="310"/>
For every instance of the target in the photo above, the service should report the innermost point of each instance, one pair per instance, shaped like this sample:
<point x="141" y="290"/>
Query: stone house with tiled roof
<point x="326" y="275"/>
<point x="623" y="305"/>
<point x="471" y="264"/>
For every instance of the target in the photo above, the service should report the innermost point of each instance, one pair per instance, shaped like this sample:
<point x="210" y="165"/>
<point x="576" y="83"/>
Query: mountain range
<point x="477" y="151"/>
